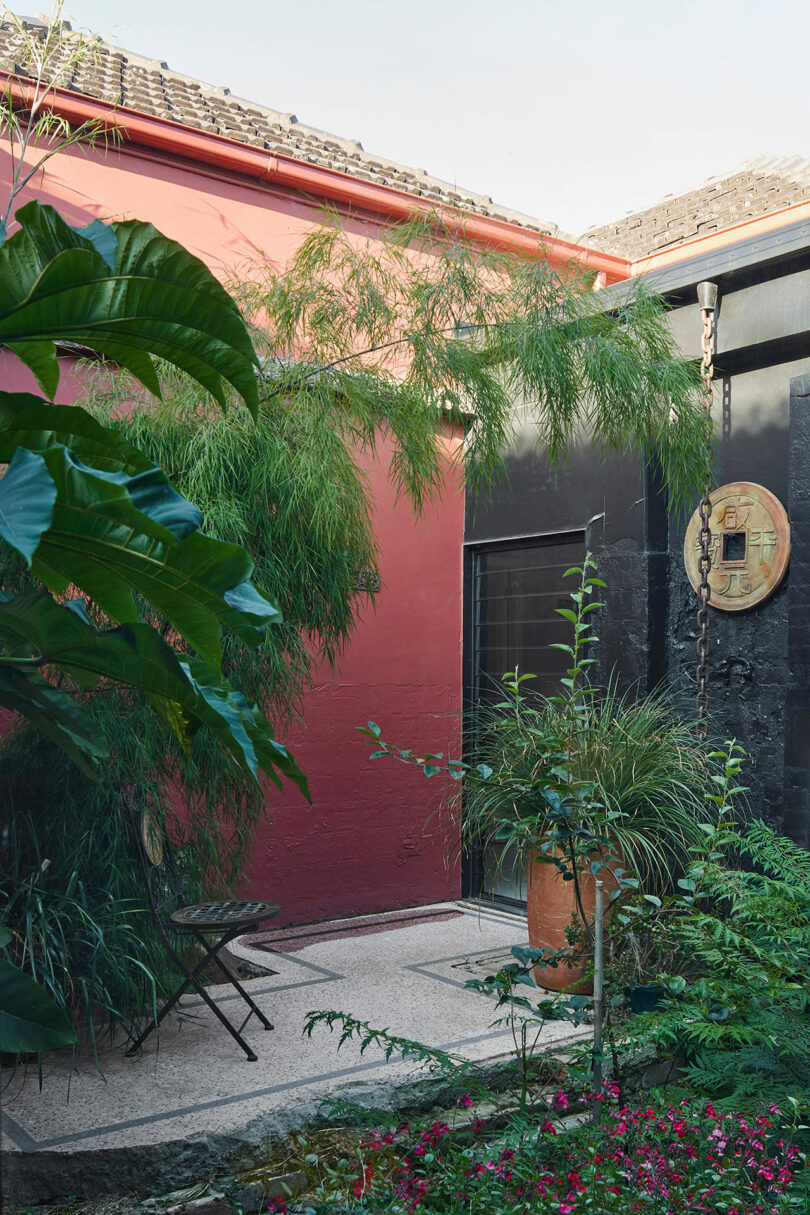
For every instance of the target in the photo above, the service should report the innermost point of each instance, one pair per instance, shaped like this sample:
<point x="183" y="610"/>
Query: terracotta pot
<point x="551" y="909"/>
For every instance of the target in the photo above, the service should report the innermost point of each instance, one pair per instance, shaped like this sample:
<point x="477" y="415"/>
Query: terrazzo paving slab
<point x="192" y="1096"/>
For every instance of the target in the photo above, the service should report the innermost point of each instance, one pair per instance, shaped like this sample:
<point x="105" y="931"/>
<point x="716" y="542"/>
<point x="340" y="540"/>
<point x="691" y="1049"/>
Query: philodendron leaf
<point x="54" y="714"/>
<point x="27" y="423"/>
<point x="30" y="421"/>
<point x="34" y="628"/>
<point x="241" y="727"/>
<point x="190" y="694"/>
<point x="97" y="540"/>
<point x="103" y="239"/>
<point x="27" y="497"/>
<point x="29" y="1018"/>
<point x="128" y="293"/>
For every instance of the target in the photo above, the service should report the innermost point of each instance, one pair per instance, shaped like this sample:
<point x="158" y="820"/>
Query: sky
<point x="573" y="111"/>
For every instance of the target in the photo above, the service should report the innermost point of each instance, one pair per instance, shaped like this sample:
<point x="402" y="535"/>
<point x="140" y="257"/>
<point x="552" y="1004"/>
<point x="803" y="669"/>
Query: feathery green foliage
<point x="417" y="319"/>
<point x="291" y="490"/>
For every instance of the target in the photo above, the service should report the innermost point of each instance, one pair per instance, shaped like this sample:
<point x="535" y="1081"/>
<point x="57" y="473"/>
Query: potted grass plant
<point x="588" y="782"/>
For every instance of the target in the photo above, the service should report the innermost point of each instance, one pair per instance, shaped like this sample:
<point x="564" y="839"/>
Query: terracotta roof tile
<point x="760" y="185"/>
<point x="149" y="86"/>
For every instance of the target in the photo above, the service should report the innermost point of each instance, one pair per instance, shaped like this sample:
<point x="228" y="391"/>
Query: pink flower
<point x="466" y="1100"/>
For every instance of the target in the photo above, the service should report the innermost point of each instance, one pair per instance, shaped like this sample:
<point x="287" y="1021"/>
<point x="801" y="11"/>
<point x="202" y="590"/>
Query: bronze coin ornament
<point x="750" y="546"/>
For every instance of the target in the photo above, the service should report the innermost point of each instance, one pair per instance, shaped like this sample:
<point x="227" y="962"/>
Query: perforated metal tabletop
<point x="225" y="914"/>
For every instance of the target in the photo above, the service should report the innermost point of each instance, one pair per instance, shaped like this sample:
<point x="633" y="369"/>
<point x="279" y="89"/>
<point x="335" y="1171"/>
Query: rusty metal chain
<point x="707" y="300"/>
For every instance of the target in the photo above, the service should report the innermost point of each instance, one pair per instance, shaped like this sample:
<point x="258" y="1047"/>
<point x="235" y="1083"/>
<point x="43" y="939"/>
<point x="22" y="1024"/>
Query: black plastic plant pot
<point x="645" y="997"/>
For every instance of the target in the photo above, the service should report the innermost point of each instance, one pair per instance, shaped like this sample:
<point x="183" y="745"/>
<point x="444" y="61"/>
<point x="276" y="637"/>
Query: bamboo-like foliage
<point x="289" y="488"/>
<point x="417" y="321"/>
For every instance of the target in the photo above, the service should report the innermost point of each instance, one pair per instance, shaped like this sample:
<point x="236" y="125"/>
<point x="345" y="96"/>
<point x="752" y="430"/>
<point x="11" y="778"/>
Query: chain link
<point x="704" y="535"/>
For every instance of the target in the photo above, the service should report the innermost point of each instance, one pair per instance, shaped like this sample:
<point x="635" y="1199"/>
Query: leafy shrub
<point x="737" y="941"/>
<point x="646" y="776"/>
<point x="743" y="1014"/>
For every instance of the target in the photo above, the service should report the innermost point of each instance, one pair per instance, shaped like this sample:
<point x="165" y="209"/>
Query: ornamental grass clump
<point x="664" y="1159"/>
<point x="588" y="772"/>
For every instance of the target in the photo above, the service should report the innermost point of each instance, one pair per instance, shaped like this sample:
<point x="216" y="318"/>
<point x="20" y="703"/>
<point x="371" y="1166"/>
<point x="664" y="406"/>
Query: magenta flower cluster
<point x="673" y="1160"/>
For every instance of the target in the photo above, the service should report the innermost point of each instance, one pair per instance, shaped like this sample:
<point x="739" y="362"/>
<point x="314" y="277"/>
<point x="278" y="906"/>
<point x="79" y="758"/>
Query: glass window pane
<point x="516" y="589"/>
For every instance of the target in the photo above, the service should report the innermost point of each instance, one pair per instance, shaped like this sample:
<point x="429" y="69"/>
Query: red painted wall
<point x="363" y="844"/>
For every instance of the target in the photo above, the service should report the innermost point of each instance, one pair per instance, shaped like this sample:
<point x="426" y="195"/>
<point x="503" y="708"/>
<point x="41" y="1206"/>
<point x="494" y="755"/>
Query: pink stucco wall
<point x="363" y="844"/>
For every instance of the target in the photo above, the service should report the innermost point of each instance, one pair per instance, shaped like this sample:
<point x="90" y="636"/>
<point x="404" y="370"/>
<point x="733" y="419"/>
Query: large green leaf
<point x="98" y="541"/>
<point x="54" y="714"/>
<point x="26" y="503"/>
<point x="37" y="632"/>
<point x="232" y="717"/>
<point x="29" y="1019"/>
<point x="38" y="426"/>
<point x="142" y="295"/>
<point x="86" y="508"/>
<point x="29" y="421"/>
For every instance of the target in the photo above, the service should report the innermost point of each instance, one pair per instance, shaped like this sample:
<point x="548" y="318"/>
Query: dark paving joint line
<point x="421" y="968"/>
<point x="325" y="976"/>
<point x="17" y="1134"/>
<point x="289" y="957"/>
<point x="270" y="991"/>
<point x="184" y="1111"/>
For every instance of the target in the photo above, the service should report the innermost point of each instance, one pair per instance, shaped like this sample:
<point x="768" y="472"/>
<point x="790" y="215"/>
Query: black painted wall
<point x="796" y="819"/>
<point x="760" y="659"/>
<point x="607" y="502"/>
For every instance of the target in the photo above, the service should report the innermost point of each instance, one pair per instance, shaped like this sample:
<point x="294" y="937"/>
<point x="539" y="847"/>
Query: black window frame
<point x="472" y="864"/>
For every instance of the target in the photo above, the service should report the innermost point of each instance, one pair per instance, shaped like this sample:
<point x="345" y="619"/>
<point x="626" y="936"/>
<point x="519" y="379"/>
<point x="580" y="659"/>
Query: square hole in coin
<point x="734" y="546"/>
